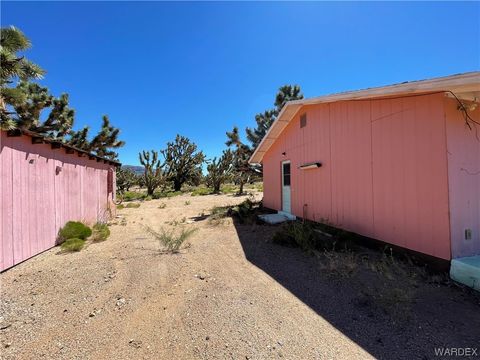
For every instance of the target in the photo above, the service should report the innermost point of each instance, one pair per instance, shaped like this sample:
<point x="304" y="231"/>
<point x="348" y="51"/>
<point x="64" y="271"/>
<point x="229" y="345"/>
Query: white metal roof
<point x="465" y="86"/>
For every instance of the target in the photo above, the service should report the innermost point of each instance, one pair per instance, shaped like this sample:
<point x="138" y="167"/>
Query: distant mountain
<point x="136" y="169"/>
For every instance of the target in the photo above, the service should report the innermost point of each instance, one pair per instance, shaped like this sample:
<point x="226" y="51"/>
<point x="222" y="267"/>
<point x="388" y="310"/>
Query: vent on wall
<point x="303" y="120"/>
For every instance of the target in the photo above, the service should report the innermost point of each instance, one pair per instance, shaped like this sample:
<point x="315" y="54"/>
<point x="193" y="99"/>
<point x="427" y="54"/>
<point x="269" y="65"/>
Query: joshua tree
<point x="242" y="171"/>
<point x="153" y="175"/>
<point x="125" y="179"/>
<point x="182" y="161"/>
<point x="220" y="171"/>
<point x="79" y="139"/>
<point x="29" y="102"/>
<point x="13" y="66"/>
<point x="60" y="120"/>
<point x="106" y="140"/>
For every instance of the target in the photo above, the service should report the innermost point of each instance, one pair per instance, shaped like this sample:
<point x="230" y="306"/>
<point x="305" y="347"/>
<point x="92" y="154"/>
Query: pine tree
<point x="220" y="171"/>
<point x="153" y="175"/>
<point x="265" y="120"/>
<point x="183" y="161"/>
<point x="286" y="93"/>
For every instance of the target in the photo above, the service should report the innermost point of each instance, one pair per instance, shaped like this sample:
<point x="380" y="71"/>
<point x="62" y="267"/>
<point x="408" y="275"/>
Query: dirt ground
<point x="230" y="294"/>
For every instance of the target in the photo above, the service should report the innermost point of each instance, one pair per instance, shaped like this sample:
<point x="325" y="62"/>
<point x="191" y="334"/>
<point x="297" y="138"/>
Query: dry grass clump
<point x="100" y="232"/>
<point x="171" y="241"/>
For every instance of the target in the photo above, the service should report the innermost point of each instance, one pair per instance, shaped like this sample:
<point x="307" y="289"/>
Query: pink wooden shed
<point x="398" y="163"/>
<point x="44" y="184"/>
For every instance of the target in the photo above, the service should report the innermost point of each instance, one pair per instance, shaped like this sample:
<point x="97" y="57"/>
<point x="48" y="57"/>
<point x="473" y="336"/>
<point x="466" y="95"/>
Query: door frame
<point x="282" y="186"/>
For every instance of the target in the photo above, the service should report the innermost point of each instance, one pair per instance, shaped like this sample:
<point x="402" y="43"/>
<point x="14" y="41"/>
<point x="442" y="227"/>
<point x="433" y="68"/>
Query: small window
<point x="286" y="174"/>
<point x="303" y="120"/>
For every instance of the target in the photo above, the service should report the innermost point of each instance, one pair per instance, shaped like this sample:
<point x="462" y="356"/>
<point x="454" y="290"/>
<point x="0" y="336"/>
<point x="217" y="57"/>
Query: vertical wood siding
<point x="464" y="180"/>
<point x="36" y="201"/>
<point x="384" y="170"/>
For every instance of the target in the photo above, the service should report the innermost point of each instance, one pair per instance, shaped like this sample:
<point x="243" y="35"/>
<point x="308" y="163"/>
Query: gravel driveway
<point x="230" y="294"/>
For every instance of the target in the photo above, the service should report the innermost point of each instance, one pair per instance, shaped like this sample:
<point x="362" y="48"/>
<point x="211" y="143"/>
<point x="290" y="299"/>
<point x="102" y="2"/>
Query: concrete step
<point x="278" y="218"/>
<point x="466" y="270"/>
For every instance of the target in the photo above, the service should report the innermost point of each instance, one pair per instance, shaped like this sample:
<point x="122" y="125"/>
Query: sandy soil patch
<point x="230" y="294"/>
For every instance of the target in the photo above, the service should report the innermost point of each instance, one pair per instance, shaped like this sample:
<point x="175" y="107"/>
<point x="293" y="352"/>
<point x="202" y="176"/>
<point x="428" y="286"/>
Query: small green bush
<point x="201" y="191"/>
<point x="74" y="244"/>
<point x="229" y="189"/>
<point x="187" y="203"/>
<point x="162" y="206"/>
<point x="100" y="232"/>
<point x="74" y="229"/>
<point x="120" y="206"/>
<point x="166" y="194"/>
<point x="132" y="205"/>
<point x="133" y="195"/>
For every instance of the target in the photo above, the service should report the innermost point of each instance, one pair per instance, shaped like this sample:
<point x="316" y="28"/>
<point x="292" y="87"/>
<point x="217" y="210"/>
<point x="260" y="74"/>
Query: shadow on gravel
<point x="438" y="316"/>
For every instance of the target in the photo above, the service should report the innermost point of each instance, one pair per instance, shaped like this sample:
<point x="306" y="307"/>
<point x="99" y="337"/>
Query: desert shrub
<point x="162" y="206"/>
<point x="133" y="195"/>
<point x="187" y="203"/>
<point x="171" y="241"/>
<point x="74" y="229"/>
<point x="120" y="206"/>
<point x="343" y="264"/>
<point x="201" y="191"/>
<point x="73" y="244"/>
<point x="247" y="211"/>
<point x="100" y="232"/>
<point x="229" y="189"/>
<point x="310" y="236"/>
<point x="218" y="214"/>
<point x="166" y="194"/>
<point x="132" y="205"/>
<point x="293" y="234"/>
<point x="148" y="198"/>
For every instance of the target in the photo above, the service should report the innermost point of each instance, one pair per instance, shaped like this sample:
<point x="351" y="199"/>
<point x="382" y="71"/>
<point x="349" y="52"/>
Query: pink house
<point x="44" y="184"/>
<point x="398" y="163"/>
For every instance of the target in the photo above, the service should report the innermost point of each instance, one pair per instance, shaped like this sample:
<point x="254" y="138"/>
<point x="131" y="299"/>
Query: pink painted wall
<point x="464" y="180"/>
<point x="384" y="172"/>
<point x="36" y="201"/>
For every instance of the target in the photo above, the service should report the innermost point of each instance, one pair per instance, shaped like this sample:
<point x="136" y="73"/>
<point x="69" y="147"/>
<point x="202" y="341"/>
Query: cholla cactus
<point x="153" y="175"/>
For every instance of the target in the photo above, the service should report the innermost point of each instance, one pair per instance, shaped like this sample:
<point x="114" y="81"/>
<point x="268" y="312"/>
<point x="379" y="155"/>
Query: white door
<point x="286" y="198"/>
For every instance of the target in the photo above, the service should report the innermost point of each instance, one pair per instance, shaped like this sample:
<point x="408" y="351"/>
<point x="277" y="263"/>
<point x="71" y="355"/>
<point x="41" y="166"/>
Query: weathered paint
<point x="464" y="180"/>
<point x="41" y="189"/>
<point x="384" y="169"/>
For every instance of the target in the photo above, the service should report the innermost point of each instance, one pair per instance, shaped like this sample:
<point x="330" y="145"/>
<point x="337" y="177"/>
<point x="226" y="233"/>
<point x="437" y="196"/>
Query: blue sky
<point x="198" y="69"/>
